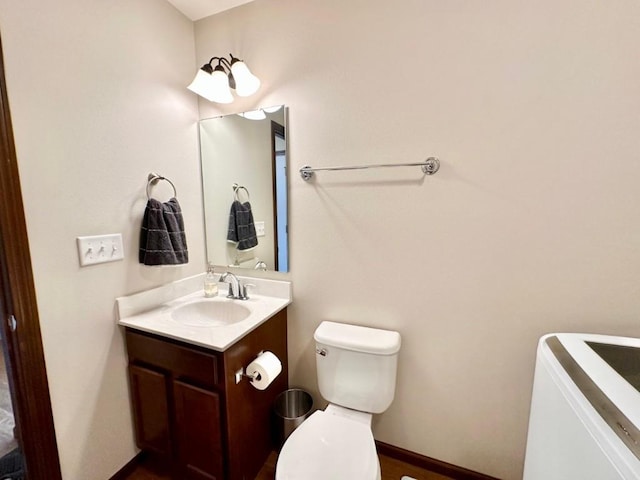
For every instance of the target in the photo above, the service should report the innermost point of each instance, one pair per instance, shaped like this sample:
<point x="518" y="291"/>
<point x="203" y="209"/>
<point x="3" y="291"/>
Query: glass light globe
<point x="254" y="115"/>
<point x="246" y="82"/>
<point x="202" y="84"/>
<point x="220" y="91"/>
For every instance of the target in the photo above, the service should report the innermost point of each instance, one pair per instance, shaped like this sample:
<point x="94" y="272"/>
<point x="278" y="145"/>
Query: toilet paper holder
<point x="240" y="374"/>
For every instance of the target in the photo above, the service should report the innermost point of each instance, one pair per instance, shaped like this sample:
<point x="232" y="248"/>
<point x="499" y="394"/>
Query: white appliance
<point x="585" y="410"/>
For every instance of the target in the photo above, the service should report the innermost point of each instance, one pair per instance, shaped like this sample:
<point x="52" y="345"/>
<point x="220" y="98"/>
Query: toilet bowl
<point x="342" y="447"/>
<point x="356" y="369"/>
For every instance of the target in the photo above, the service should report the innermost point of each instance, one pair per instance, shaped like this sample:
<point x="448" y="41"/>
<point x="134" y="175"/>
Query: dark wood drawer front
<point x="182" y="362"/>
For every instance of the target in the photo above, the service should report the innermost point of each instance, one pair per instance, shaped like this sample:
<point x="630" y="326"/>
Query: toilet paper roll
<point x="264" y="369"/>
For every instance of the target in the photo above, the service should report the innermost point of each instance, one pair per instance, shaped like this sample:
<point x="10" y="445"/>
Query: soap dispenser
<point x="210" y="283"/>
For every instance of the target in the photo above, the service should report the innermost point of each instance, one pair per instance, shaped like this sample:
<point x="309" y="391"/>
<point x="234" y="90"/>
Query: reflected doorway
<point x="280" y="197"/>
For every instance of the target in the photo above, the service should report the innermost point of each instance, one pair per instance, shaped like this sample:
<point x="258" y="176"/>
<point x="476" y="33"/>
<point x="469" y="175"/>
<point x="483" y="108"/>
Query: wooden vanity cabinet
<point x="189" y="411"/>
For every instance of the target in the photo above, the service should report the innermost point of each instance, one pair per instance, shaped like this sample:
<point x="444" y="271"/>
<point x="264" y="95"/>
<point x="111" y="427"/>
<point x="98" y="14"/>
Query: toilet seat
<point x="329" y="446"/>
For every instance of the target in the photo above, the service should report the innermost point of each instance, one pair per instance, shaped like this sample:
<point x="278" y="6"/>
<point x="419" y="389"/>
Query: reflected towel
<point x="162" y="237"/>
<point x="241" y="228"/>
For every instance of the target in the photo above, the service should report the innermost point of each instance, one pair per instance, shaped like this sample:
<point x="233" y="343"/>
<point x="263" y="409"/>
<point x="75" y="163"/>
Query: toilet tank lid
<point x="357" y="338"/>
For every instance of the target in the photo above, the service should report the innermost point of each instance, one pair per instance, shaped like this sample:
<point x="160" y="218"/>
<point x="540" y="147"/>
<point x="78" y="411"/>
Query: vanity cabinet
<point x="189" y="411"/>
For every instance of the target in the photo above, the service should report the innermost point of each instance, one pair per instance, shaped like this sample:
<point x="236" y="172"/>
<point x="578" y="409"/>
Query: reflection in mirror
<point x="244" y="158"/>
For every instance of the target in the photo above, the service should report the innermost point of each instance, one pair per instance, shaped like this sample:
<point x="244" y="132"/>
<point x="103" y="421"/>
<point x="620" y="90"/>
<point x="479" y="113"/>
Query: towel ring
<point x="237" y="187"/>
<point x="154" y="178"/>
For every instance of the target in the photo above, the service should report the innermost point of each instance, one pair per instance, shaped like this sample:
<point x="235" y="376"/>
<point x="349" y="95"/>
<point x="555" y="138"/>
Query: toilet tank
<point x="357" y="365"/>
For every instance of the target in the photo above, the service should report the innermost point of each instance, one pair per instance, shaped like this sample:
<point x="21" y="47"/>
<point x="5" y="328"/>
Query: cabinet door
<point x="150" y="409"/>
<point x="198" y="432"/>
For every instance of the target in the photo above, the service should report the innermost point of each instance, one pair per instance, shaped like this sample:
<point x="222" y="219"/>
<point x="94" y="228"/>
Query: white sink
<point x="210" y="313"/>
<point x="179" y="310"/>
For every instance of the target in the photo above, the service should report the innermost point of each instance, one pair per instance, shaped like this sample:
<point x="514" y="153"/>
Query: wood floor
<point x="392" y="469"/>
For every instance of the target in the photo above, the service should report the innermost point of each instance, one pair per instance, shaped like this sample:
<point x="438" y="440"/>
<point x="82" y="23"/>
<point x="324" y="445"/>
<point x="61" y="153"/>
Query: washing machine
<point x="584" y="421"/>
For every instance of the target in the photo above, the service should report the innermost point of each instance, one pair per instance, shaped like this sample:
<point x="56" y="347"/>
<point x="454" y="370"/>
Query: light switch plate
<point x="100" y="249"/>
<point x="259" y="229"/>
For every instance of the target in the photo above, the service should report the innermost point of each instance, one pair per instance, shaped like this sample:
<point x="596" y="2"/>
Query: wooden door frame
<point x="26" y="365"/>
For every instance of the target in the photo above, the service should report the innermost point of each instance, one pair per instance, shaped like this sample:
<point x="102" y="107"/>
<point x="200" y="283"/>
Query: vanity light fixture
<point x="215" y="83"/>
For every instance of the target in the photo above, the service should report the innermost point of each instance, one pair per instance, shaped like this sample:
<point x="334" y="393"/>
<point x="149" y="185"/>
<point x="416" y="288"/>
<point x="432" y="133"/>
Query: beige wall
<point x="97" y="97"/>
<point x="531" y="226"/>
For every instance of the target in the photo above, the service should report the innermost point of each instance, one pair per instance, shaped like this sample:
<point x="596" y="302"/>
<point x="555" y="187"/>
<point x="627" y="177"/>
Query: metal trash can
<point x="291" y="408"/>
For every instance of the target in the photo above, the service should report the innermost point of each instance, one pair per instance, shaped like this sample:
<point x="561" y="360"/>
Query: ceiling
<point x="197" y="9"/>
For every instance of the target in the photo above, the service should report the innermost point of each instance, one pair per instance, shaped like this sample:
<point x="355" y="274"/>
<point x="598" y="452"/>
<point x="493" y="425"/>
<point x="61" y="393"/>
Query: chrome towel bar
<point x="430" y="166"/>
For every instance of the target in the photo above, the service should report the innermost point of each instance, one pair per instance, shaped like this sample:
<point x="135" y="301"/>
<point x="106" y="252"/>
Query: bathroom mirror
<point x="244" y="159"/>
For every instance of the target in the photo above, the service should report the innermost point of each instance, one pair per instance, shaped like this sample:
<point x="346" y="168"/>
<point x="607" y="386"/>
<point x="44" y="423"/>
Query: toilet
<point x="356" y="369"/>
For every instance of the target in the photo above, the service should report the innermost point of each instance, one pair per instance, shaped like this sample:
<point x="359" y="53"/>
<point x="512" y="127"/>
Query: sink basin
<point x="210" y="313"/>
<point x="180" y="311"/>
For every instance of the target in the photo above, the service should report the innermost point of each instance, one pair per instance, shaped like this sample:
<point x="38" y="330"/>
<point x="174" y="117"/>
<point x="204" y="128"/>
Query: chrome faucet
<point x="237" y="290"/>
<point x="234" y="284"/>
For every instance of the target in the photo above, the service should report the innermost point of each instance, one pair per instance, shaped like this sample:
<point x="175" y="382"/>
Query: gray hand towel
<point x="162" y="237"/>
<point x="241" y="227"/>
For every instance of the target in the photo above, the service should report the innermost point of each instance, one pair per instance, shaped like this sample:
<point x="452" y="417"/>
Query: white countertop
<point x="151" y="311"/>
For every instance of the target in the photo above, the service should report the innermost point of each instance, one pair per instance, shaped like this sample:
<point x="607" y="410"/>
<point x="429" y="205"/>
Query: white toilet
<point x="357" y="374"/>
